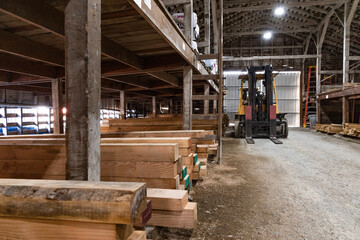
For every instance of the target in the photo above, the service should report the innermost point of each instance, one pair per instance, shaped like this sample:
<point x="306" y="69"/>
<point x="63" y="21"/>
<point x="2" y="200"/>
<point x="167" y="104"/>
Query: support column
<point x="187" y="98"/>
<point x="207" y="25"/>
<point x="215" y="25"/>
<point x="57" y="103"/>
<point x="154" y="106"/>
<point x="122" y="105"/>
<point x="171" y="106"/>
<point x="188" y="21"/>
<point x="206" y="102"/>
<point x="318" y="81"/>
<point x="83" y="84"/>
<point x="346" y="54"/>
<point x="215" y="107"/>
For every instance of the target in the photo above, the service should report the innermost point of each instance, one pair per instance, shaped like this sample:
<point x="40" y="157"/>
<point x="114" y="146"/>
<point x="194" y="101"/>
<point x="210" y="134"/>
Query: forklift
<point x="258" y="116"/>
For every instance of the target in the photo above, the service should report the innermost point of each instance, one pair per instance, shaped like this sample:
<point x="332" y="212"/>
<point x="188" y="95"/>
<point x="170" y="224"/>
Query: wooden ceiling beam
<point x="287" y="4"/>
<point x="11" y="63"/>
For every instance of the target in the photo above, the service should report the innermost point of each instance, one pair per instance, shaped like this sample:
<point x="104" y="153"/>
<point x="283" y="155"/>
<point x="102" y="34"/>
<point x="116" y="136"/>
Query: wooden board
<point x="101" y="202"/>
<point x="183" y="219"/>
<point x="202" y="148"/>
<point x="138" y="169"/>
<point x="137" y="235"/>
<point x="166" y="183"/>
<point x="34" y="229"/>
<point x="165" y="199"/>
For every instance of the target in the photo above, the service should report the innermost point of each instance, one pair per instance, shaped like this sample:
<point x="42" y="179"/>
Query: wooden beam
<point x="72" y="200"/>
<point x="11" y="63"/>
<point x="188" y="21"/>
<point x="83" y="83"/>
<point x="205" y="97"/>
<point x="57" y="104"/>
<point x="187" y="98"/>
<point x="49" y="18"/>
<point x="21" y="46"/>
<point x="215" y="24"/>
<point x="207" y="56"/>
<point x="205" y="77"/>
<point x="255" y="58"/>
<point x="260" y="32"/>
<point x="288" y="4"/>
<point x="166" y="77"/>
<point x="175" y="2"/>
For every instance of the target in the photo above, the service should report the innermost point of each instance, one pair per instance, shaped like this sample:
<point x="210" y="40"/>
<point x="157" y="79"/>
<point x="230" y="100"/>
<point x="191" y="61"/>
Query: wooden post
<point x="346" y="54"/>
<point x="215" y="107"/>
<point x="187" y="98"/>
<point x="122" y="105"/>
<point x="206" y="102"/>
<point x="171" y="106"/>
<point x="154" y="106"/>
<point x="188" y="21"/>
<point x="83" y="84"/>
<point x="318" y="81"/>
<point x="215" y="26"/>
<point x="57" y="103"/>
<point x="221" y="80"/>
<point x="207" y="25"/>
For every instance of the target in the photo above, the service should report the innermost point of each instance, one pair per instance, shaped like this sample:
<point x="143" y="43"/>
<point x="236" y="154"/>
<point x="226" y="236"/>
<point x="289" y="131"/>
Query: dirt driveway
<point x="307" y="188"/>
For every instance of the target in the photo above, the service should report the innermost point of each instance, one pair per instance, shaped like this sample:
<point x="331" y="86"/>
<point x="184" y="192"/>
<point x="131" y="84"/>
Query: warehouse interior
<point x="179" y="119"/>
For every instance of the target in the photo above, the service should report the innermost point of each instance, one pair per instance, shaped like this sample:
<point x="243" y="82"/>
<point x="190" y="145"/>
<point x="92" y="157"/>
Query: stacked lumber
<point x="155" y="124"/>
<point x="329" y="128"/>
<point x="171" y="208"/>
<point x="156" y="164"/>
<point x="46" y="209"/>
<point x="351" y="129"/>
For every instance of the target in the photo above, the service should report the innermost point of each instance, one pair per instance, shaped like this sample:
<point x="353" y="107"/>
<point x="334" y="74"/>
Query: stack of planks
<point x="47" y="209"/>
<point x="351" y="129"/>
<point x="171" y="208"/>
<point x="329" y="128"/>
<point x="122" y="160"/>
<point x="155" y="124"/>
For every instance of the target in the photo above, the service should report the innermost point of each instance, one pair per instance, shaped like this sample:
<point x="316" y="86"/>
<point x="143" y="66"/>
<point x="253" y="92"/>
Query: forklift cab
<point x="258" y="116"/>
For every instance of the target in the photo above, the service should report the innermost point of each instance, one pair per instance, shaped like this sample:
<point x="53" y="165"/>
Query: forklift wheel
<point x="286" y="129"/>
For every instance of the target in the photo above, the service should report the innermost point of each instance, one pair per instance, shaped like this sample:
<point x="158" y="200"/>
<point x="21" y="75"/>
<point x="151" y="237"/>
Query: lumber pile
<point x="351" y="129"/>
<point x="329" y="128"/>
<point x="155" y="124"/>
<point x="157" y="164"/>
<point x="46" y="209"/>
<point x="171" y="208"/>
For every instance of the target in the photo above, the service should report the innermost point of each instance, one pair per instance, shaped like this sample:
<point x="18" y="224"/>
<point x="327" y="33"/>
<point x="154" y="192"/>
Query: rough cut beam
<point x="288" y="4"/>
<point x="14" y="44"/>
<point x="164" y="76"/>
<point x="49" y="18"/>
<point x="15" y="64"/>
<point x="226" y="59"/>
<point x="132" y="80"/>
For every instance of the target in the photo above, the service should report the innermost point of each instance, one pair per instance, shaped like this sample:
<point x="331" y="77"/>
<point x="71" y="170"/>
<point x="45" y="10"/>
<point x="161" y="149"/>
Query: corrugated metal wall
<point x="288" y="92"/>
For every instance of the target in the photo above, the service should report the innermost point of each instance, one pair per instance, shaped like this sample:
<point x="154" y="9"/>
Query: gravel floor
<point x="307" y="188"/>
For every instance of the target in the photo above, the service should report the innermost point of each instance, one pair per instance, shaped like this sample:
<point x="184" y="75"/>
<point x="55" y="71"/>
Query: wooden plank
<point x="179" y="219"/>
<point x="139" y="169"/>
<point x="72" y="200"/>
<point x="137" y="235"/>
<point x="33" y="229"/>
<point x="205" y="97"/>
<point x="166" y="199"/>
<point x="137" y="152"/>
<point x="166" y="183"/>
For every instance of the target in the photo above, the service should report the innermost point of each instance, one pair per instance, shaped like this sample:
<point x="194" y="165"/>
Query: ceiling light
<point x="267" y="35"/>
<point x="279" y="11"/>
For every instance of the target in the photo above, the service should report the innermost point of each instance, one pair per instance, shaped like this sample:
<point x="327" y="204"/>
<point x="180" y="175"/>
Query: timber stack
<point x="351" y="129"/>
